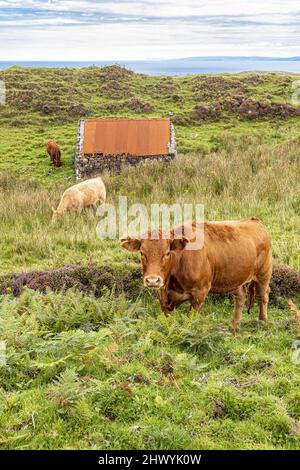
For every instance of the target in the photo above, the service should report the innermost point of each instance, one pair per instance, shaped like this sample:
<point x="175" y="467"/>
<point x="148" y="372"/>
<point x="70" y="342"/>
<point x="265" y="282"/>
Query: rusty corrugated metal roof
<point x="136" y="137"/>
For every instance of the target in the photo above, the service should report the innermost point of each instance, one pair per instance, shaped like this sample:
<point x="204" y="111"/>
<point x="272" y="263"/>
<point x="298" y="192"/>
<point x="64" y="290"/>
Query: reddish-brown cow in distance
<point x="235" y="254"/>
<point x="54" y="152"/>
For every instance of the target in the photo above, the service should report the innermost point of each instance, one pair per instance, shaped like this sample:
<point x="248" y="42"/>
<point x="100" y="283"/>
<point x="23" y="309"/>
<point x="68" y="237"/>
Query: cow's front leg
<point x="198" y="297"/>
<point x="170" y="299"/>
<point x="162" y="295"/>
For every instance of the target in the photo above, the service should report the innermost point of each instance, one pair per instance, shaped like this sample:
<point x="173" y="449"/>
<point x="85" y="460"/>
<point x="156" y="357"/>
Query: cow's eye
<point x="167" y="254"/>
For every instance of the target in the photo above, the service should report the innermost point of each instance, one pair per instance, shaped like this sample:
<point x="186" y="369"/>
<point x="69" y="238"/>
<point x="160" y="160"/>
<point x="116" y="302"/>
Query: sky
<point x="125" y="30"/>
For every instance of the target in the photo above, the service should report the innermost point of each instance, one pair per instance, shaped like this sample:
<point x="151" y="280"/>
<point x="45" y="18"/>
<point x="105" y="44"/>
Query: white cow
<point x="84" y="194"/>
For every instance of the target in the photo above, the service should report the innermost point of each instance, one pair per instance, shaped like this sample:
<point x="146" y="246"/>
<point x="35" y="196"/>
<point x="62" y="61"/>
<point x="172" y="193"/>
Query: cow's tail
<point x="250" y="295"/>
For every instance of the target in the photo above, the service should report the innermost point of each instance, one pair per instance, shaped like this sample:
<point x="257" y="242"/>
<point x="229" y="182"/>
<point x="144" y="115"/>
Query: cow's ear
<point x="179" y="243"/>
<point x="130" y="244"/>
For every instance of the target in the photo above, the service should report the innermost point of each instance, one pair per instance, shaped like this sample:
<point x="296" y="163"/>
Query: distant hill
<point x="186" y="65"/>
<point x="43" y="103"/>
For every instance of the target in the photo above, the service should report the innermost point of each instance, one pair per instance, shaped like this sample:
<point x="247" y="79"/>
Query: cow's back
<point x="52" y="147"/>
<point x="93" y="190"/>
<point x="237" y="251"/>
<point x="234" y="253"/>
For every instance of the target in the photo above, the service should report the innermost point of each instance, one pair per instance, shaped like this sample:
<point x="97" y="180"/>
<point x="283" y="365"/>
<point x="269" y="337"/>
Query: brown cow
<point x="235" y="254"/>
<point x="54" y="152"/>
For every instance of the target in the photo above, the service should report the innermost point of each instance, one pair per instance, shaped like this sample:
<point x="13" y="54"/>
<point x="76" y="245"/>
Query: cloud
<point x="123" y="30"/>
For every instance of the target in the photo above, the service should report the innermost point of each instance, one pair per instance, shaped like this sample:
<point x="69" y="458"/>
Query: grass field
<point x="112" y="371"/>
<point x="47" y="103"/>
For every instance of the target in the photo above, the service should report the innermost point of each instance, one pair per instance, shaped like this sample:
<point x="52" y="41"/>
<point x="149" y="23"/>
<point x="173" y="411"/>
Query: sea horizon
<point x="181" y="66"/>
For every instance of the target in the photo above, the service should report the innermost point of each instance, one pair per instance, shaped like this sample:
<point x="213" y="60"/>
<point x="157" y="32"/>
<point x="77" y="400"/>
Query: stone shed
<point x="108" y="144"/>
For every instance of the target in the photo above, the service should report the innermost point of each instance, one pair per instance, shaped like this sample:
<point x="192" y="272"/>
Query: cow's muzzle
<point x="153" y="281"/>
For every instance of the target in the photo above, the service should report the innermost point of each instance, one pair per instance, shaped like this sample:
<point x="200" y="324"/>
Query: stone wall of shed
<point x="93" y="165"/>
